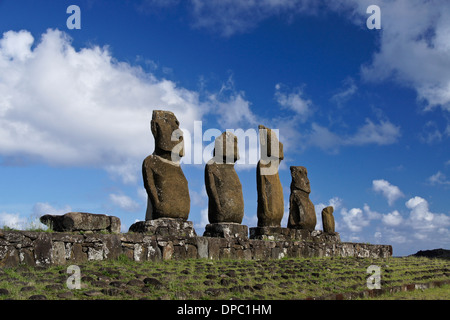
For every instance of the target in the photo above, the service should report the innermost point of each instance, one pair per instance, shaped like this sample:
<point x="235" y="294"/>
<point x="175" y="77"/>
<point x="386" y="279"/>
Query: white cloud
<point x="235" y="16"/>
<point x="383" y="133"/>
<point x="413" y="44"/>
<point x="354" y="219"/>
<point x="231" y="107"/>
<point x="370" y="213"/>
<point x="438" y="179"/>
<point x="294" y="101"/>
<point x="124" y="202"/>
<point x="422" y="219"/>
<point x="430" y="133"/>
<point x="203" y="220"/>
<point x="414" y="48"/>
<point x="12" y="220"/>
<point x="17" y="221"/>
<point x="199" y="198"/>
<point x="345" y="94"/>
<point x="42" y="208"/>
<point x="389" y="191"/>
<point x="68" y="107"/>
<point x="392" y="219"/>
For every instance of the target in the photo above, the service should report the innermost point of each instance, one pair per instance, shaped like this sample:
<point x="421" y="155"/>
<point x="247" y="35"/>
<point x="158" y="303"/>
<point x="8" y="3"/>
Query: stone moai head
<point x="226" y="148"/>
<point x="300" y="179"/>
<point x="271" y="148"/>
<point x="167" y="133"/>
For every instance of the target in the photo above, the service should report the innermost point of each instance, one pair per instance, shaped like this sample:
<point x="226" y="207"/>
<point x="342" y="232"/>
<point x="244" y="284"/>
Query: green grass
<point x="438" y="293"/>
<point x="199" y="279"/>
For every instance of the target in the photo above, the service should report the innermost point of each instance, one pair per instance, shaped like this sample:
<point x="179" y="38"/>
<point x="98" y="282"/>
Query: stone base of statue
<point x="269" y="233"/>
<point x="165" y="227"/>
<point x="226" y="230"/>
<point x="288" y="234"/>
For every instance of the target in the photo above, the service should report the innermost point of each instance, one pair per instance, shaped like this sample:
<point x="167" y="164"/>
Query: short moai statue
<point x="302" y="214"/>
<point x="224" y="189"/>
<point x="164" y="180"/>
<point x="328" y="220"/>
<point x="270" y="207"/>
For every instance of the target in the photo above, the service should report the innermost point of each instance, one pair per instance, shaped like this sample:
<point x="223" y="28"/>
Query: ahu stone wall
<point x="58" y="248"/>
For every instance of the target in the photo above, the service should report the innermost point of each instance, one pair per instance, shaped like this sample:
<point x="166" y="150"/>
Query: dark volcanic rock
<point x="4" y="292"/>
<point x="434" y="253"/>
<point x="153" y="282"/>
<point x="37" y="297"/>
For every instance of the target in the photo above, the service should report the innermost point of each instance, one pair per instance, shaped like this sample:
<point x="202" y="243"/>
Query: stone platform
<point x="287" y="234"/>
<point x="58" y="248"/>
<point x="165" y="227"/>
<point x="226" y="230"/>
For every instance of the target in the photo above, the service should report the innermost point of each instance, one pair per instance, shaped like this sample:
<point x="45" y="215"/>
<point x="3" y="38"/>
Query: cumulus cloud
<point x="389" y="191"/>
<point x="124" y="202"/>
<point x="231" y="107"/>
<point x="421" y="219"/>
<point x="354" y="219"/>
<point x="42" y="208"/>
<point x="68" y="107"/>
<point x="17" y="221"/>
<point x="12" y="220"/>
<point x="392" y="219"/>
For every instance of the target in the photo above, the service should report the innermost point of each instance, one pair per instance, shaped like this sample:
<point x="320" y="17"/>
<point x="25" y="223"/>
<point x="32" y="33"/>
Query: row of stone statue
<point x="168" y="193"/>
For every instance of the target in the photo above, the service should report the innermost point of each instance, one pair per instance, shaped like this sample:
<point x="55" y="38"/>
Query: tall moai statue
<point x="224" y="189"/>
<point x="302" y="214"/>
<point x="270" y="208"/>
<point x="225" y="198"/>
<point x="164" y="181"/>
<point x="328" y="220"/>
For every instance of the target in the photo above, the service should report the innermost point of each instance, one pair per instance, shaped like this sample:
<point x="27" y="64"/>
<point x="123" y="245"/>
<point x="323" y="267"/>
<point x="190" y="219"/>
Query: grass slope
<point x="225" y="279"/>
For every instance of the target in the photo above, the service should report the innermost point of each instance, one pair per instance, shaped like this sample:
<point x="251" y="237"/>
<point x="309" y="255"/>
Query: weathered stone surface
<point x="43" y="249"/>
<point x="165" y="227"/>
<point x="48" y="248"/>
<point x="164" y="181"/>
<point x="58" y="254"/>
<point x="268" y="233"/>
<point x="224" y="189"/>
<point x="270" y="207"/>
<point x="226" y="230"/>
<point x="81" y="221"/>
<point x="302" y="214"/>
<point x="328" y="220"/>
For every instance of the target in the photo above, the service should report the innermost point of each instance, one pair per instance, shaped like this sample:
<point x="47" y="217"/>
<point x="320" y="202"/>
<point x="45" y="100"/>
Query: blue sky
<point x="366" y="111"/>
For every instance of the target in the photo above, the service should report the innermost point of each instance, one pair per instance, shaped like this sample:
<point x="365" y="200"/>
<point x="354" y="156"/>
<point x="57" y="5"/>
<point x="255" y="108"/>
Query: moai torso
<point x="224" y="189"/>
<point x="302" y="214"/>
<point x="167" y="188"/>
<point x="270" y="208"/>
<point x="328" y="220"/>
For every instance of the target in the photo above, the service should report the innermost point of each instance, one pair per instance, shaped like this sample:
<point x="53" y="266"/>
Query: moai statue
<point x="302" y="214"/>
<point x="226" y="201"/>
<point x="328" y="220"/>
<point x="270" y="192"/>
<point x="164" y="181"/>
